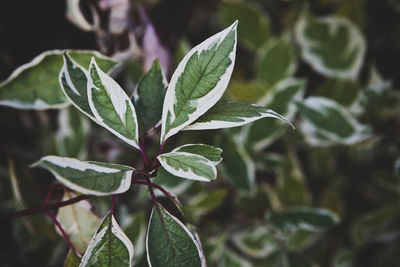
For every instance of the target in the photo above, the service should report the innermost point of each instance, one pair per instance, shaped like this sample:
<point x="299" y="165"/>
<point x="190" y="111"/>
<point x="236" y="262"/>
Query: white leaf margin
<point x="187" y="145"/>
<point x="188" y="232"/>
<point x="189" y="174"/>
<point x="206" y="102"/>
<point x="118" y="99"/>
<point x="117" y="231"/>
<point x="65" y="162"/>
<point x="356" y="40"/>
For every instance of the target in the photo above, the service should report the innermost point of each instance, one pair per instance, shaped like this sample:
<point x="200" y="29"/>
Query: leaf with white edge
<point x="205" y="202"/>
<point x="189" y="166"/>
<point x="238" y="167"/>
<point x="277" y="62"/>
<point x="148" y="98"/>
<point x="327" y="122"/>
<point x="88" y="177"/>
<point x="71" y="135"/>
<point x="232" y="114"/>
<point x="111" y="106"/>
<point x="35" y="85"/>
<point x="333" y="46"/>
<point x="135" y="228"/>
<point x="75" y="15"/>
<point x="78" y="222"/>
<point x="210" y="152"/>
<point x="170" y="243"/>
<point x="305" y="218"/>
<point x="256" y="241"/>
<point x="109" y="246"/>
<point x="173" y="184"/>
<point x="199" y="81"/>
<point x="283" y="100"/>
<point x="231" y="259"/>
<point x="72" y="260"/>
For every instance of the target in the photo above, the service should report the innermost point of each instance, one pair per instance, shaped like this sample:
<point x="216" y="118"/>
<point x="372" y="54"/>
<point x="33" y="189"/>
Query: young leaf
<point x="88" y="177"/>
<point x="78" y="222"/>
<point x="111" y="106"/>
<point x="211" y="153"/>
<point x="232" y="114"/>
<point x="326" y="122"/>
<point x="109" y="246"/>
<point x="189" y="166"/>
<point x="169" y="242"/>
<point x="333" y="46"/>
<point x="199" y="81"/>
<point x="35" y="85"/>
<point x="149" y="97"/>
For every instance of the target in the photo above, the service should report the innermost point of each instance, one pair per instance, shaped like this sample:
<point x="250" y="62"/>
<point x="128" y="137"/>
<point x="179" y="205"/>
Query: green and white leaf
<point x="189" y="166"/>
<point x="148" y="98"/>
<point x="277" y="62"/>
<point x="111" y="106"/>
<point x="333" y="46"/>
<point x="232" y="114"/>
<point x="210" y="152"/>
<point x="71" y="134"/>
<point x="256" y="241"/>
<point x="170" y="243"/>
<point x="35" y="85"/>
<point x="72" y="260"/>
<point x="305" y="218"/>
<point x="173" y="184"/>
<point x="326" y="122"/>
<point x="109" y="246"/>
<point x="78" y="222"/>
<point x="199" y="81"/>
<point x="135" y="227"/>
<point x="88" y="177"/>
<point x="231" y="259"/>
<point x="205" y="202"/>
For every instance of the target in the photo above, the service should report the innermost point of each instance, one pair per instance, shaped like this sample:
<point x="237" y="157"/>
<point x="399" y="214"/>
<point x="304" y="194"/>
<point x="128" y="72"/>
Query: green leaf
<point x="255" y="241"/>
<point x="72" y="260"/>
<point x="109" y="246"/>
<point x="78" y="222"/>
<point x="171" y="183"/>
<point x="333" y="46"/>
<point x="205" y="202"/>
<point x="111" y="106"/>
<point x="232" y="114"/>
<point x="35" y="85"/>
<point x="231" y="259"/>
<point x="189" y="166"/>
<point x="199" y="81"/>
<point x="71" y="134"/>
<point x="244" y="91"/>
<point x="210" y="152"/>
<point x="326" y="122"/>
<point x="170" y="243"/>
<point x="345" y="92"/>
<point x="237" y="165"/>
<point x="88" y="177"/>
<point x="277" y="62"/>
<point x="306" y="218"/>
<point x="148" y="100"/>
<point x="135" y="229"/>
<point x="254" y="23"/>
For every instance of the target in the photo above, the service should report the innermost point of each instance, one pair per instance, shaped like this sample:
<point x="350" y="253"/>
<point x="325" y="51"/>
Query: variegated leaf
<point x="189" y="166"/>
<point x="88" y="177"/>
<point x="111" y="106"/>
<point x="199" y="81"/>
<point x="210" y="152"/>
<point x="109" y="246"/>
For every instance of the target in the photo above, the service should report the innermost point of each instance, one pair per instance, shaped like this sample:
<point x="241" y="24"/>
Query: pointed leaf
<point x="78" y="222"/>
<point x="211" y="153"/>
<point x="199" y="81"/>
<point x="88" y="177"/>
<point x="232" y="114"/>
<point x="188" y="166"/>
<point x="333" y="46"/>
<point x="149" y="98"/>
<point x="35" y="85"/>
<point x="109" y="246"/>
<point x="169" y="242"/>
<point x="111" y="106"/>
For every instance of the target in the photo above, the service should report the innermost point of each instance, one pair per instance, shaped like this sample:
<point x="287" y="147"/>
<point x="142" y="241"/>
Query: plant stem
<point x="165" y="192"/>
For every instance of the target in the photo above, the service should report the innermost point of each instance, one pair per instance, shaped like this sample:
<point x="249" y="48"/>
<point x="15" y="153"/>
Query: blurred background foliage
<point x="325" y="194"/>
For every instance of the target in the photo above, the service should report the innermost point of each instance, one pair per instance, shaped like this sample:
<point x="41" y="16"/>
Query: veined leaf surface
<point x="199" y="81"/>
<point x="169" y="243"/>
<point x="88" y="177"/>
<point x="210" y="152"/>
<point x="189" y="166"/>
<point x="109" y="246"/>
<point x="111" y="106"/>
<point x="232" y="114"/>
